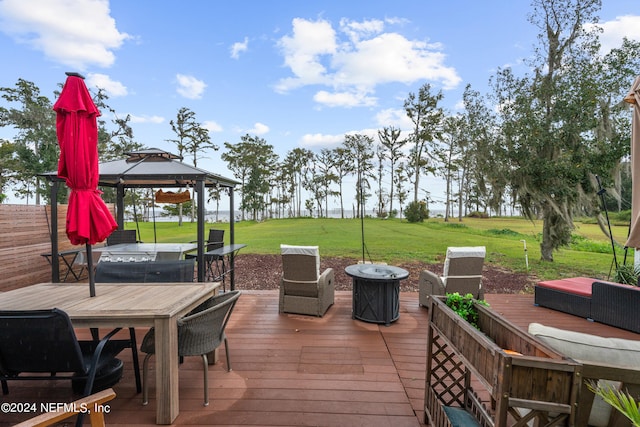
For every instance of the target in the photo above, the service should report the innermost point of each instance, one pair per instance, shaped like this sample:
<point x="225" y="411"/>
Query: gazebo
<point x="149" y="168"/>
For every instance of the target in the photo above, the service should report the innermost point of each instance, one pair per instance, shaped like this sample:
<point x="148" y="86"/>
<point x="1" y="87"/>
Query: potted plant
<point x="464" y="306"/>
<point x="620" y="400"/>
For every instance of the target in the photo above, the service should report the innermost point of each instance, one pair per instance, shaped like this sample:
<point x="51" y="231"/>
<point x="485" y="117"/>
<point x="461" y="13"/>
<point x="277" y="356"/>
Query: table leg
<point x="167" y="390"/>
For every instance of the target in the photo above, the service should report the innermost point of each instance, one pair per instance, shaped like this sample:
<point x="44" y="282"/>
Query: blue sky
<point x="296" y="73"/>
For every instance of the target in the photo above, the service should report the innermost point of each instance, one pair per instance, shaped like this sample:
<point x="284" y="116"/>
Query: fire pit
<point x="376" y="292"/>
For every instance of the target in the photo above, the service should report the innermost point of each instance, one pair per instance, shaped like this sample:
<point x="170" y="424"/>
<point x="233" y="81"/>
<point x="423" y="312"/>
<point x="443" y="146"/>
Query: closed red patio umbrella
<point x="88" y="218"/>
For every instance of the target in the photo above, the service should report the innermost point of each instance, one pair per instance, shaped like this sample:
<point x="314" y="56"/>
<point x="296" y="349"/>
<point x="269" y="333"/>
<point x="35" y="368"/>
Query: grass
<point x="395" y="240"/>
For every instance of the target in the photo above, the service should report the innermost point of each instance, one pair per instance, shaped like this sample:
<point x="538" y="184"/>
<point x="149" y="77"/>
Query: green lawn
<point x="396" y="240"/>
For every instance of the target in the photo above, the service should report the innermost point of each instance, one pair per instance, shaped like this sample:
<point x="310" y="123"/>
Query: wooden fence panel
<point x="25" y="236"/>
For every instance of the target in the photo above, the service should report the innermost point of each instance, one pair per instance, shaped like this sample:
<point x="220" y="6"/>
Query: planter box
<point x="475" y="370"/>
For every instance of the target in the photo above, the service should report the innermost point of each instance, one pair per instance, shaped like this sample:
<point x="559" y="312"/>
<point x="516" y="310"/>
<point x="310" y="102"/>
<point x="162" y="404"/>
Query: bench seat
<point x="605" y="302"/>
<point x="572" y="295"/>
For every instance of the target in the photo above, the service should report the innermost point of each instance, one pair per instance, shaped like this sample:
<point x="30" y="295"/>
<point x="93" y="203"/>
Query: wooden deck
<point x="292" y="370"/>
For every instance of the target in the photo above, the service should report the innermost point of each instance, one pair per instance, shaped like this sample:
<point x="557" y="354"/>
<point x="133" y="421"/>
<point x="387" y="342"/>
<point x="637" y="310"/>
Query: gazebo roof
<point x="154" y="168"/>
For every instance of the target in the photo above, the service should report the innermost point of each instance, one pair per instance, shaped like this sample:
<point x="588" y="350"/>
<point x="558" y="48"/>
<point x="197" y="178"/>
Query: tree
<point x="613" y="130"/>
<point x="8" y="167"/>
<point x="360" y="148"/>
<point x="113" y="144"/>
<point x="381" y="155"/>
<point x="399" y="179"/>
<point x="183" y="126"/>
<point x="482" y="162"/>
<point x="319" y="179"/>
<point x="426" y="116"/>
<point x="550" y="118"/>
<point x="296" y="163"/>
<point x="452" y="142"/>
<point x="191" y="138"/>
<point x="282" y="186"/>
<point x="390" y="138"/>
<point x="36" y="143"/>
<point x="213" y="195"/>
<point x="343" y="167"/>
<point x="252" y="161"/>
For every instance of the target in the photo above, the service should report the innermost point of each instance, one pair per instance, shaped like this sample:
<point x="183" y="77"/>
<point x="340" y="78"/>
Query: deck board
<point x="293" y="370"/>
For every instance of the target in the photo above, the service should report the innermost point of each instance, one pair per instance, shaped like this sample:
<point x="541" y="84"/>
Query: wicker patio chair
<point x="200" y="332"/>
<point x="303" y="290"/>
<point x="42" y="345"/>
<point x="462" y="273"/>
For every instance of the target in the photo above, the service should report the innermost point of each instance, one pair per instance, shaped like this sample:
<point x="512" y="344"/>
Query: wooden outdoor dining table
<point x="125" y="305"/>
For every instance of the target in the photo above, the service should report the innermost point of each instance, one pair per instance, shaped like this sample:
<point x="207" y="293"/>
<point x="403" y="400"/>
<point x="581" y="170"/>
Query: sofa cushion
<point x="590" y="348"/>
<point x="574" y="285"/>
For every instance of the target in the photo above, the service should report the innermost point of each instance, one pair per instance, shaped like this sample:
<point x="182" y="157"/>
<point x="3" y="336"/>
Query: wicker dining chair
<point x="199" y="332"/>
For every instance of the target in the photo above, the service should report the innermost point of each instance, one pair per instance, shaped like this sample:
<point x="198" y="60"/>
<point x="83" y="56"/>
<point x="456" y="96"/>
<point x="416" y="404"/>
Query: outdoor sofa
<point x="610" y="362"/>
<point x="609" y="303"/>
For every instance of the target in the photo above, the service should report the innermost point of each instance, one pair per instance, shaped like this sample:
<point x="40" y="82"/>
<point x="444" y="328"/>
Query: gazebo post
<point x="200" y="231"/>
<point x="120" y="205"/>
<point x="232" y="239"/>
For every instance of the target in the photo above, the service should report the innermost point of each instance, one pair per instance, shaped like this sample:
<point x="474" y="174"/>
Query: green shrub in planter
<point x="627" y="274"/>
<point x="463" y="305"/>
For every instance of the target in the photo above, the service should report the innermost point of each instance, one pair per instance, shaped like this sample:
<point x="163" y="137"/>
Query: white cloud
<point x="394" y="117"/>
<point x="353" y="61"/>
<point x="303" y="50"/>
<point x="614" y="31"/>
<point x="357" y="30"/>
<point x="344" y="99"/>
<point x="75" y="33"/>
<point x="146" y="119"/>
<point x="459" y="106"/>
<point x="259" y="129"/>
<point x="103" y="81"/>
<point x="390" y="58"/>
<point x="190" y="87"/>
<point x="239" y="47"/>
<point x="212" y="126"/>
<point x="321" y="140"/>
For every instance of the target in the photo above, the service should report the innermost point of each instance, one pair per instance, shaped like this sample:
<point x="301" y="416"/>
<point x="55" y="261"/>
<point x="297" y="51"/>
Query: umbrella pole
<point x="92" y="279"/>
